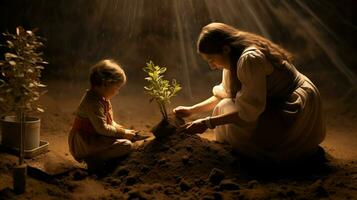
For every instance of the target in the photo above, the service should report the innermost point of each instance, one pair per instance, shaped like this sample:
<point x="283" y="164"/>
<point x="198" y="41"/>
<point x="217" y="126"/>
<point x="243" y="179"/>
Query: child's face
<point x="110" y="90"/>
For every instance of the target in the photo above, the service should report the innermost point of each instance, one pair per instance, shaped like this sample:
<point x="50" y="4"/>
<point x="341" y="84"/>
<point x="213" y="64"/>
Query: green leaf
<point x="148" y="78"/>
<point x="18" y="30"/>
<point x="163" y="70"/>
<point x="12" y="63"/>
<point x="10" y="55"/>
<point x="10" y="44"/>
<point x="158" y="88"/>
<point x="148" y="88"/>
<point x="39" y="67"/>
<point x="41" y="85"/>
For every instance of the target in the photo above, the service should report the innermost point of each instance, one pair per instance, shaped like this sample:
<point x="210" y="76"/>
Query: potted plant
<point x="161" y="92"/>
<point x="20" y="89"/>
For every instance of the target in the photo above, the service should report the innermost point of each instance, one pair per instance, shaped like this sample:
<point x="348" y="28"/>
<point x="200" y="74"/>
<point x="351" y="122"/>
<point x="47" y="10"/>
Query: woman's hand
<point x="197" y="126"/>
<point x="182" y="111"/>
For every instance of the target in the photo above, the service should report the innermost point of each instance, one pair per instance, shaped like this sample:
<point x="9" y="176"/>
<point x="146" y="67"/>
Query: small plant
<point x="158" y="88"/>
<point x="20" y="72"/>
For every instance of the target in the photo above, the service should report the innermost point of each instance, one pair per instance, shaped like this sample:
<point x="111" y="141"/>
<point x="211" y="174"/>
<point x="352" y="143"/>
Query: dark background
<point x="321" y="34"/>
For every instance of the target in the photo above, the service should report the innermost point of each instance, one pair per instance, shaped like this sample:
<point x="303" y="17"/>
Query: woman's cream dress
<point x="280" y="107"/>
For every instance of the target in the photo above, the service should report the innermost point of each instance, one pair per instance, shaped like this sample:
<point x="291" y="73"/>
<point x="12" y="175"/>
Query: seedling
<point x="158" y="88"/>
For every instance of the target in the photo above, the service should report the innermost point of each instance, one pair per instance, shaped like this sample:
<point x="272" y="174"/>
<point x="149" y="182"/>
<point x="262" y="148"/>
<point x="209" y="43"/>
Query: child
<point x="95" y="137"/>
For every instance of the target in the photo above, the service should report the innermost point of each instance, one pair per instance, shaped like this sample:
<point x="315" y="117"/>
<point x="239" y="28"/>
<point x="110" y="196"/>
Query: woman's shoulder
<point x="251" y="56"/>
<point x="252" y="52"/>
<point x="253" y="60"/>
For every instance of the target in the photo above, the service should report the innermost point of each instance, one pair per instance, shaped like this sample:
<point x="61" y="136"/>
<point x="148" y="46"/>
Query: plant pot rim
<point x="11" y="119"/>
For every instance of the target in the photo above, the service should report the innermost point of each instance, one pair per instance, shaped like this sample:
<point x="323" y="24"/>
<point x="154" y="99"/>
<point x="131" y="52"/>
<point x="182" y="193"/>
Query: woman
<point x="264" y="107"/>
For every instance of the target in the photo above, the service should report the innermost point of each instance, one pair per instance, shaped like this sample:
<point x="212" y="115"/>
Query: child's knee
<point x="125" y="144"/>
<point x="129" y="145"/>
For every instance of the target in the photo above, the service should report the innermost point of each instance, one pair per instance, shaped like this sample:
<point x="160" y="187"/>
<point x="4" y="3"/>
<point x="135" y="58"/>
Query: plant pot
<point x="10" y="131"/>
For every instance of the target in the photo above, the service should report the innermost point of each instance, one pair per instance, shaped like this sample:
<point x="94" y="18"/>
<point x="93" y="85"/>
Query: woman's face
<point x="217" y="61"/>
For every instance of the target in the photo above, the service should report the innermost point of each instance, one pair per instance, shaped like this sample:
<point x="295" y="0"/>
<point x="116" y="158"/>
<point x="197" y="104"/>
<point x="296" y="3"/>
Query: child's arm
<point x="117" y="125"/>
<point x="130" y="134"/>
<point x="96" y="115"/>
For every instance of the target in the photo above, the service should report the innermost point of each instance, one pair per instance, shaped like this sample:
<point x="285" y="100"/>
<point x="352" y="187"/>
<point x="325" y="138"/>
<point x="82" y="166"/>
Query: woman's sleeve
<point x="222" y="90"/>
<point x="251" y="99"/>
<point x="96" y="115"/>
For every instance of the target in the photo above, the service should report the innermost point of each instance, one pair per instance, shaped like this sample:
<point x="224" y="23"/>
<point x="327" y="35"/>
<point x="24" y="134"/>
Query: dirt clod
<point x="252" y="184"/>
<point x="79" y="175"/>
<point x="216" y="176"/>
<point x="121" y="171"/>
<point x="228" y="184"/>
<point x="130" y="180"/>
<point x="184" y="185"/>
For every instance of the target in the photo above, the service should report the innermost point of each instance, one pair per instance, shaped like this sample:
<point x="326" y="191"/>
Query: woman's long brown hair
<point x="215" y="36"/>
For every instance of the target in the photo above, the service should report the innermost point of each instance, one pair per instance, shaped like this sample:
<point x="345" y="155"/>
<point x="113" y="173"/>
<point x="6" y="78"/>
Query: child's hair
<point x="106" y="72"/>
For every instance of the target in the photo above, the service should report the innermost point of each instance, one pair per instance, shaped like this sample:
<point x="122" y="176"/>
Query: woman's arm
<point x="206" y="105"/>
<point x="201" y="125"/>
<point x="226" y="118"/>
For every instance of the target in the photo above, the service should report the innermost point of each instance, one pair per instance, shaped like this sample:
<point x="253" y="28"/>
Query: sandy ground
<point x="185" y="168"/>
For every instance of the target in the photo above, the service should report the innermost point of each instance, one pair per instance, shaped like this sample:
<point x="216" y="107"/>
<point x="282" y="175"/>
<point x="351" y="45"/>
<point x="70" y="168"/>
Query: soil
<point x="167" y="127"/>
<point x="185" y="166"/>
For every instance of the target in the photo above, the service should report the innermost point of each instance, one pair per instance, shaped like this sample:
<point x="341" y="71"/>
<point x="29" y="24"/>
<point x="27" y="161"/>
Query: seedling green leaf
<point x="158" y="88"/>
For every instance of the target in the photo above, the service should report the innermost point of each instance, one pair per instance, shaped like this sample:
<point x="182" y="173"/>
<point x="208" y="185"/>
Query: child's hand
<point x="134" y="135"/>
<point x="139" y="137"/>
<point x="129" y="133"/>
<point x="182" y="111"/>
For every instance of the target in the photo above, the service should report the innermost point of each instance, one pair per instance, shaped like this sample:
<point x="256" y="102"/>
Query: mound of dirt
<point x="189" y="166"/>
<point x="181" y="163"/>
<point x="183" y="166"/>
